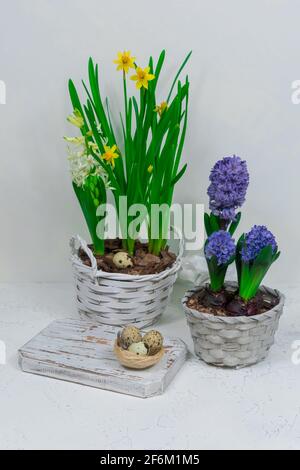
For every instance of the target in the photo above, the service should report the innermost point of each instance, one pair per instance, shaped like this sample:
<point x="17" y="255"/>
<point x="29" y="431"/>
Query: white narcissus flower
<point x="76" y="119"/>
<point x="93" y="146"/>
<point x="82" y="162"/>
<point x="83" y="165"/>
<point x="99" y="171"/>
<point x="75" y="140"/>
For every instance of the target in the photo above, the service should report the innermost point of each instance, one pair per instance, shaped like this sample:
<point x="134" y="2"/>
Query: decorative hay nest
<point x="133" y="361"/>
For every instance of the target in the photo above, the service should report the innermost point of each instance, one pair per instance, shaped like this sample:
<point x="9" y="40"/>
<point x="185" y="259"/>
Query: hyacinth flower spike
<point x="256" y="252"/>
<point x="229" y="180"/>
<point x="219" y="253"/>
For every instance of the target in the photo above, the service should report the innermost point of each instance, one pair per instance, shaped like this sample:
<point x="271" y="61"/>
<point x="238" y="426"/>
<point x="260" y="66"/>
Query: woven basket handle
<point x="178" y="234"/>
<point x="74" y="242"/>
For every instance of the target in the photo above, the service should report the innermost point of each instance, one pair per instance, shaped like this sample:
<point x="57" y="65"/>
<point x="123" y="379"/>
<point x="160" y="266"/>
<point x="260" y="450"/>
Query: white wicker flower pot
<point x="233" y="341"/>
<point x="119" y="299"/>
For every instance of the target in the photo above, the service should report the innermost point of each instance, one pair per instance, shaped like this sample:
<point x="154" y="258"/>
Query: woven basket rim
<point x="232" y="320"/>
<point x="93" y="270"/>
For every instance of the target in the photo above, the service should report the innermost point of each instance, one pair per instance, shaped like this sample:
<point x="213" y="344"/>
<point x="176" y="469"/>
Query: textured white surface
<point x="204" y="407"/>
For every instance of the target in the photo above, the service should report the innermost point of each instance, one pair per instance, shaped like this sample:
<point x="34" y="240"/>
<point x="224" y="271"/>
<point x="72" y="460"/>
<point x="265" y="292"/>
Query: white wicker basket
<point x="119" y="299"/>
<point x="233" y="341"/>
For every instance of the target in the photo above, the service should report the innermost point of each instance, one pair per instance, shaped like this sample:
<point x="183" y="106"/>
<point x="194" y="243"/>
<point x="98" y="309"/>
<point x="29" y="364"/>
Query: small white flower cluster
<point x="82" y="164"/>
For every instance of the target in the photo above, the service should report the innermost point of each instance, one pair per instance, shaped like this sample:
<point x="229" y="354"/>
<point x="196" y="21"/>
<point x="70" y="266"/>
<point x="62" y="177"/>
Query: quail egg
<point x="153" y="341"/>
<point x="122" y="260"/>
<point x="129" y="335"/>
<point x="138" y="348"/>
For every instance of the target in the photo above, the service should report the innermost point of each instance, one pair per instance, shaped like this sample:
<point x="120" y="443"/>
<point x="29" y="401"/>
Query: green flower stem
<point x="217" y="282"/>
<point x="125" y="94"/>
<point x="98" y="246"/>
<point x="131" y="246"/>
<point x="217" y="274"/>
<point x="156" y="247"/>
<point x="216" y="285"/>
<point x="223" y="224"/>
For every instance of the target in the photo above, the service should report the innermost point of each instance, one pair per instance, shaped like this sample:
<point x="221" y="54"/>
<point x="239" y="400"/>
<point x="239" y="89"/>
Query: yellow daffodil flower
<point x="125" y="61"/>
<point x="161" y="108"/>
<point x="142" y="77"/>
<point x="110" y="155"/>
<point x="150" y="168"/>
<point x="76" y="119"/>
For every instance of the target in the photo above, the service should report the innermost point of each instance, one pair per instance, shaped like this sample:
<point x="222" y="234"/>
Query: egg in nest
<point x="129" y="335"/>
<point x="153" y="340"/>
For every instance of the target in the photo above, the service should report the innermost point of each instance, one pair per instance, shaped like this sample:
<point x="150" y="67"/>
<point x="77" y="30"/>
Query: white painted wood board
<point x="82" y="352"/>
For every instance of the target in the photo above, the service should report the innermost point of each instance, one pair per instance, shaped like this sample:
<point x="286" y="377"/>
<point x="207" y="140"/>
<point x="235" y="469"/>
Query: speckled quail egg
<point x="153" y="341"/>
<point x="130" y="334"/>
<point x="138" y="348"/>
<point x="122" y="260"/>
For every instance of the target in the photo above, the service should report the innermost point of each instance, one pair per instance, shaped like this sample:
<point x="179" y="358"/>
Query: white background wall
<point x="245" y="57"/>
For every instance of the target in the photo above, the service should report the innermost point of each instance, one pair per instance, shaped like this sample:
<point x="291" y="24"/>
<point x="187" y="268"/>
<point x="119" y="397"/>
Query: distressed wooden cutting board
<point x="82" y="352"/>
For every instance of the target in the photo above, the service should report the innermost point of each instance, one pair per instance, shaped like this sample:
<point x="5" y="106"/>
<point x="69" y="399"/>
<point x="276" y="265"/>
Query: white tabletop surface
<point x="203" y="408"/>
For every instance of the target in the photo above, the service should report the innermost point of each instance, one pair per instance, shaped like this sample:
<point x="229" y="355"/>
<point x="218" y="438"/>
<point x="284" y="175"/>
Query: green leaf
<point x="159" y="65"/>
<point x="234" y="225"/>
<point x="214" y="222"/>
<point x="217" y="274"/>
<point x="93" y="79"/>
<point x="136" y="109"/>
<point x="256" y="271"/>
<point x="179" y="175"/>
<point x="178" y="73"/>
<point x="276" y="256"/>
<point x="107" y="168"/>
<point x="109" y="119"/>
<point x="76" y="104"/>
<point x="238" y="258"/>
<point x="183" y="134"/>
<point x="207" y="225"/>
<point x="245" y="279"/>
<point x="92" y="194"/>
<point x="264" y="258"/>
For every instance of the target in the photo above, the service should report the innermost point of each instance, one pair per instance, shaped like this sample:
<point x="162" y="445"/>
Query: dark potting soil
<point x="143" y="261"/>
<point x="230" y="304"/>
